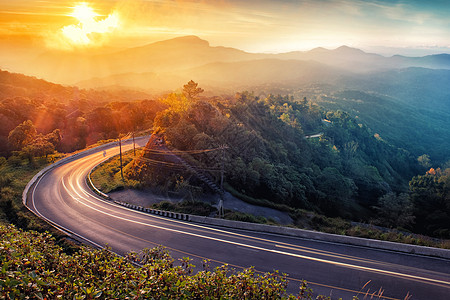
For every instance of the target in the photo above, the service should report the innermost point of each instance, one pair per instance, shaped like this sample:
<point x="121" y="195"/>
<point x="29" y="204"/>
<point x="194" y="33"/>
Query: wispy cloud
<point x="30" y="13"/>
<point x="398" y="12"/>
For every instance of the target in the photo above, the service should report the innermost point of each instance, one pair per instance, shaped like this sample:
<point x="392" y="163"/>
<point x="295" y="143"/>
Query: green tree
<point x="37" y="148"/>
<point x="75" y="137"/>
<point x="22" y="135"/>
<point x="191" y="90"/>
<point x="425" y="161"/>
<point x="53" y="137"/>
<point x="177" y="103"/>
<point x="430" y="194"/>
<point x="395" y="211"/>
<point x="337" y="191"/>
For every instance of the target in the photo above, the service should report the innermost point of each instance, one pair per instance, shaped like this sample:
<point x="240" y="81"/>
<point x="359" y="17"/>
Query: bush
<point x="187" y="207"/>
<point x="34" y="267"/>
<point x="107" y="177"/>
<point x="15" y="161"/>
<point x="244" y="217"/>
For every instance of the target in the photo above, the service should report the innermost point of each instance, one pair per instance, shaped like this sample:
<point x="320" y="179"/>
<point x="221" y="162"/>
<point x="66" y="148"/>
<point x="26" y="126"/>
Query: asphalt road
<point x="62" y="197"/>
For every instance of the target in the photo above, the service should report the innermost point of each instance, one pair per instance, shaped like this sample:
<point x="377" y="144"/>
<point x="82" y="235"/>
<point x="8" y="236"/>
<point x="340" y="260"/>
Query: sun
<point x="84" y="13"/>
<point x="91" y="30"/>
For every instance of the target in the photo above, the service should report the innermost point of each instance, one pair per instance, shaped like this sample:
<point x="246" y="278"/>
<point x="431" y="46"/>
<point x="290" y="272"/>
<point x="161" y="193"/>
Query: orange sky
<point x="255" y="26"/>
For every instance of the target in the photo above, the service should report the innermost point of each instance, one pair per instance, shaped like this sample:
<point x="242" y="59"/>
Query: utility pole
<point x="120" y="149"/>
<point x="134" y="146"/>
<point x="222" y="172"/>
<point x="222" y="169"/>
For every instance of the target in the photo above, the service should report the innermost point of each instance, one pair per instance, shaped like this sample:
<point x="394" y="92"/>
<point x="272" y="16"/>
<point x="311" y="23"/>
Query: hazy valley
<point x="404" y="99"/>
<point x="401" y="107"/>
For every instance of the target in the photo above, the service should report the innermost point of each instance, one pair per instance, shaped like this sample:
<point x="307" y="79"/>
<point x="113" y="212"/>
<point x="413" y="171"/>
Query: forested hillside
<point x="430" y="194"/>
<point x="409" y="107"/>
<point x="408" y="126"/>
<point x="342" y="173"/>
<point x="283" y="150"/>
<point x="31" y="109"/>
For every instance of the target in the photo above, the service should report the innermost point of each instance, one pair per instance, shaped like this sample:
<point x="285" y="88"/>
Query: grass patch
<point x="254" y="201"/>
<point x="15" y="173"/>
<point x="313" y="221"/>
<point x="198" y="208"/>
<point x="396" y="236"/>
<point x="107" y="176"/>
<point x="244" y="217"/>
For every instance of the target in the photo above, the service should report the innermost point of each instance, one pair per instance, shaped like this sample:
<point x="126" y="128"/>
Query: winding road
<point x="62" y="197"/>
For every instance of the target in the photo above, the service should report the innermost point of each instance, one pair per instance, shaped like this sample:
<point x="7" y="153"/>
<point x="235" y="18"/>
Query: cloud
<point x="84" y="32"/>
<point x="400" y="12"/>
<point x="89" y="32"/>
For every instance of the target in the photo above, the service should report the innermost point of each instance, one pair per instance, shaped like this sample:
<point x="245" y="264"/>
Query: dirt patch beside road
<point x="146" y="198"/>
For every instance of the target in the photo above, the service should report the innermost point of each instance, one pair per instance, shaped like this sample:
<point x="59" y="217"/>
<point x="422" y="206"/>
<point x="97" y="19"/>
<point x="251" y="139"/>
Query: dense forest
<point x="41" y="121"/>
<point x="417" y="125"/>
<point x="348" y="171"/>
<point x="281" y="149"/>
<point x="39" y="117"/>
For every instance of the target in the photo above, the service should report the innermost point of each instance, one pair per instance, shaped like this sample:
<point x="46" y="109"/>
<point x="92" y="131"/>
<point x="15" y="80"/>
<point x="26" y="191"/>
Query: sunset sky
<point x="381" y="26"/>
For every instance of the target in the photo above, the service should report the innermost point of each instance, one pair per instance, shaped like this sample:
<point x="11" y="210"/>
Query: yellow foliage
<point x="176" y="102"/>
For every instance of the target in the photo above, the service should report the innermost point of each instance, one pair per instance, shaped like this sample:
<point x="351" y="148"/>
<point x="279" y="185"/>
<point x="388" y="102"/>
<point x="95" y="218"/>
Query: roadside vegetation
<point x="14" y="176"/>
<point x="15" y="173"/>
<point x="107" y="176"/>
<point x="34" y="267"/>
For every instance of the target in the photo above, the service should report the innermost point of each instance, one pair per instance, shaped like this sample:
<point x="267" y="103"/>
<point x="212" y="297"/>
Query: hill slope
<point x="170" y="55"/>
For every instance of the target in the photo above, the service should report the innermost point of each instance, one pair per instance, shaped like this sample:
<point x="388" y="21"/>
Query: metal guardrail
<point x="297" y="232"/>
<point x="405" y="248"/>
<point x="94" y="188"/>
<point x="169" y="214"/>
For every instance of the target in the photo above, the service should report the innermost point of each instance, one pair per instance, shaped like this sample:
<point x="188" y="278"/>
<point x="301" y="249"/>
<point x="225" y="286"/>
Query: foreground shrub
<point x="34" y="267"/>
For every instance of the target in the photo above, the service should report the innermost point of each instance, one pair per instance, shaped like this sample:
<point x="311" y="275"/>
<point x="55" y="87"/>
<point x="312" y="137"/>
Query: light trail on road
<point x="63" y="198"/>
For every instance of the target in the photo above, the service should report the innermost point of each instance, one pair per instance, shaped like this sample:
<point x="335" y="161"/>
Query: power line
<point x="182" y="151"/>
<point x="174" y="165"/>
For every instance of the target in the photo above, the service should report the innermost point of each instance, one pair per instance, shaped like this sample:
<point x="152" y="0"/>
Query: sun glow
<point x="83" y="13"/>
<point x="89" y="31"/>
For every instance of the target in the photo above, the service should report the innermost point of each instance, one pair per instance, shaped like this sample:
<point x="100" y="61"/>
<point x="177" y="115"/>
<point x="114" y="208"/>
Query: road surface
<point x="62" y="197"/>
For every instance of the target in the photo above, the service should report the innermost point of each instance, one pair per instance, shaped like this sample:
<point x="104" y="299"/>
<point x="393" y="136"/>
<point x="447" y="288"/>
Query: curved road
<point x="63" y="197"/>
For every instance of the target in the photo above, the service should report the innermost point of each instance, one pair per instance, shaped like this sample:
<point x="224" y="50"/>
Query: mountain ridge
<point x="189" y="52"/>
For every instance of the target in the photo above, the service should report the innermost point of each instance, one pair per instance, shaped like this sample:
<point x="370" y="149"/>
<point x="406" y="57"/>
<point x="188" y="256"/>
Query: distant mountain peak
<point x="166" y="46"/>
<point x="347" y="49"/>
<point x="188" y="39"/>
<point x="343" y="47"/>
<point x="319" y="49"/>
<point x="440" y="55"/>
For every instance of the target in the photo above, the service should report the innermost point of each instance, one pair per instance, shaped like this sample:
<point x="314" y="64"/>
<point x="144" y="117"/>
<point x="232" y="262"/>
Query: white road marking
<point x="238" y="244"/>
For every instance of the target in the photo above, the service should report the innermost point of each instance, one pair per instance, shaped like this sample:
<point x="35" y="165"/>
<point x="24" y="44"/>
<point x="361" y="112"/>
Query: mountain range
<point x="166" y="64"/>
<point x="404" y="99"/>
